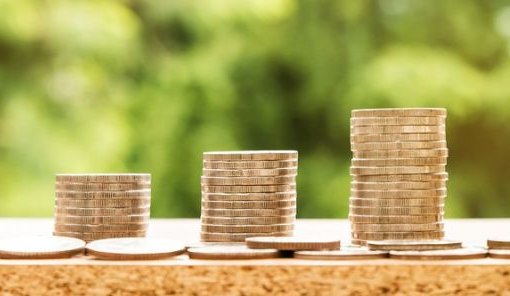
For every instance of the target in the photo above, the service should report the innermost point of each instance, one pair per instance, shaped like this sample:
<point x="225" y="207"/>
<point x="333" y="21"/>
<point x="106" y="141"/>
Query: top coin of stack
<point x="98" y="206"/>
<point x="398" y="174"/>
<point x="248" y="193"/>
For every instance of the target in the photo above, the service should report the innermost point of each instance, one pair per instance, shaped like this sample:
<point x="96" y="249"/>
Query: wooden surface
<point x="180" y="275"/>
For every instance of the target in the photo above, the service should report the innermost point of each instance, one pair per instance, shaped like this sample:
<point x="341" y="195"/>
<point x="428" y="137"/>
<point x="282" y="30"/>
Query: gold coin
<point x="398" y="129"/>
<point x="409" y="153"/>
<point x="247" y="189"/>
<point x="231" y="253"/>
<point x="402" y="178"/>
<point x="383" y="162"/>
<point x="101" y="186"/>
<point x="40" y="247"/>
<point x="342" y="254"/>
<point x="235" y="237"/>
<point x="248" y="204"/>
<point x="398" y="170"/>
<point x="396" y="227"/>
<point x="500" y="254"/>
<point x="454" y="254"/>
<point x="420" y="245"/>
<point x="91" y="236"/>
<point x="79" y="211"/>
<point x="396" y="219"/>
<point x="94" y="220"/>
<point x="498" y="243"/>
<point x="135" y="248"/>
<point x="100" y="228"/>
<point x="398" y="120"/>
<point x="405" y="194"/>
<point x="248" y="220"/>
<point x="98" y="203"/>
<point x="397" y="138"/>
<point x="251" y="155"/>
<point x="247" y="228"/>
<point x="398" y="145"/>
<point x="292" y="243"/>
<point x="223" y="181"/>
<point x="396" y="202"/>
<point x="142" y="193"/>
<point x="103" y="178"/>
<point x="272" y="196"/>
<point x="394" y="211"/>
<point x="398" y="235"/>
<point x="243" y="165"/>
<point x="395" y="112"/>
<point x="397" y="185"/>
<point x="248" y="212"/>
<point x="249" y="173"/>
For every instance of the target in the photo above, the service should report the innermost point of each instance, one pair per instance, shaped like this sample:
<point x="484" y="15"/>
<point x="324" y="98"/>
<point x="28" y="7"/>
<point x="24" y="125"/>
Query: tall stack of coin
<point x="398" y="174"/>
<point x="248" y="193"/>
<point x="99" y="206"/>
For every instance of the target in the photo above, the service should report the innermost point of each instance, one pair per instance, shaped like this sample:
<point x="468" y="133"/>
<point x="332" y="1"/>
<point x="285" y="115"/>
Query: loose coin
<point x="142" y="193"/>
<point x="222" y="181"/>
<point x="101" y="186"/>
<point x="454" y="254"/>
<point x="397" y="138"/>
<point x="261" y="164"/>
<point x="417" y="193"/>
<point x="80" y="211"/>
<point x="248" y="212"/>
<point x="342" y="254"/>
<point x="398" y="170"/>
<point x="396" y="227"/>
<point x="397" y="145"/>
<point x="422" y="219"/>
<point x="409" y="153"/>
<point x="416" y="161"/>
<point x="390" y="211"/>
<point x="98" y="203"/>
<point x="100" y="228"/>
<point x="499" y="243"/>
<point x="236" y="237"/>
<point x="251" y="155"/>
<point x="191" y="245"/>
<point x="103" y="178"/>
<point x="398" y="129"/>
<point x="249" y="173"/>
<point x="248" y="220"/>
<point x="292" y="243"/>
<point x="90" y="236"/>
<point x="247" y="189"/>
<point x="398" y="235"/>
<point x="95" y="220"/>
<point x="398" y="120"/>
<point x="134" y="248"/>
<point x="501" y="254"/>
<point x="382" y="112"/>
<point x="247" y="228"/>
<point x="397" y="185"/>
<point x="231" y="253"/>
<point x="272" y="196"/>
<point x="40" y="247"/>
<point x="402" y="178"/>
<point x="248" y="204"/>
<point x="396" y="202"/>
<point x="420" y="245"/>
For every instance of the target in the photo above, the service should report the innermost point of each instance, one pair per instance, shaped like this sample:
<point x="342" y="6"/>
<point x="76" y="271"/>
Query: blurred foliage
<point x="146" y="86"/>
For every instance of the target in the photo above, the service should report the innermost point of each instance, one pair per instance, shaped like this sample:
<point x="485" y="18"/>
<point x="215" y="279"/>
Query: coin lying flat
<point x="132" y="248"/>
<point x="401" y="178"/>
<point x="106" y="203"/>
<point x="390" y="211"/>
<point x="103" y="178"/>
<point x="262" y="164"/>
<point x="398" y="235"/>
<point x="408" y="153"/>
<point x="248" y="220"/>
<point x="398" y="129"/>
<point x="396" y="227"/>
<point x="236" y="237"/>
<point x="381" y="112"/>
<point x="231" y="253"/>
<point x="195" y="244"/>
<point x="91" y="236"/>
<point x="397" y="145"/>
<point x="247" y="228"/>
<point x="292" y="243"/>
<point x="396" y="202"/>
<point x="40" y="247"/>
<point x="250" y="155"/>
<point x="399" y="120"/>
<point x="111" y="220"/>
<point x="499" y="253"/>
<point x="80" y="211"/>
<point x="394" y="194"/>
<point x="100" y="227"/>
<point x="248" y="189"/>
<point x="397" y="185"/>
<point x="453" y="254"/>
<point x="101" y="186"/>
<point x="249" y="212"/>
<point x="499" y="243"/>
<point x="421" y="219"/>
<point x="398" y="170"/>
<point x="271" y="196"/>
<point x="407" y="245"/>
<point x="382" y="162"/>
<point x="342" y="254"/>
<point x="221" y="181"/>
<point x="249" y="173"/>
<point x="397" y="137"/>
<point x="128" y="194"/>
<point x="248" y="204"/>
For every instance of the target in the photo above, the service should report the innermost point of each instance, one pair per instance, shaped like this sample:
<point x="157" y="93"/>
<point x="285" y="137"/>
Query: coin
<point x="251" y="155"/>
<point x="398" y="120"/>
<point x="398" y="235"/>
<point x="100" y="227"/>
<point x="416" y="161"/>
<point x="236" y="237"/>
<point x="390" y="211"/>
<point x="79" y="211"/>
<point x="248" y="204"/>
<point x="396" y="202"/>
<point x="421" y="219"/>
<point x="260" y="164"/>
<point x="293" y="243"/>
<point x="222" y="181"/>
<point x="103" y="178"/>
<point x="90" y="236"/>
<point x="397" y="185"/>
<point x="101" y="186"/>
<point x="398" y="170"/>
<point x="248" y="212"/>
<point x="142" y="193"/>
<point x="398" y="129"/>
<point x="417" y="193"/>
<point x="247" y="228"/>
<point x="397" y="137"/>
<point x="454" y="254"/>
<point x="40" y="247"/>
<point x="363" y="227"/>
<point x="380" y="112"/>
<point x="401" y="153"/>
<point x="271" y="196"/>
<point x="98" y="203"/>
<point x="94" y="220"/>
<point x="248" y="220"/>
<point x="231" y="253"/>
<point x="499" y="243"/>
<point x="342" y="254"/>
<point x="499" y="253"/>
<point x="402" y="178"/>
<point x="249" y="172"/>
<point x="195" y="244"/>
<point x="247" y="189"/>
<point x="135" y="248"/>
<point x="407" y="245"/>
<point x="397" y="145"/>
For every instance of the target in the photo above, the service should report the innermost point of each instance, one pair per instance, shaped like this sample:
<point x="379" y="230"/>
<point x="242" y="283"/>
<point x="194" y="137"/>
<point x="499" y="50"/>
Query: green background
<point x="146" y="86"/>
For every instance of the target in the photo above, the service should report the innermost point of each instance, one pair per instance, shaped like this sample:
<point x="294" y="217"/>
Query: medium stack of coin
<point x="399" y="176"/>
<point x="99" y="206"/>
<point x="248" y="193"/>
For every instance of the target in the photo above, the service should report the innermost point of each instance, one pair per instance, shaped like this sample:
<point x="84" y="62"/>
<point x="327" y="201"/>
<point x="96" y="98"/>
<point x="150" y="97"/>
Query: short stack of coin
<point x="99" y="206"/>
<point x="248" y="193"/>
<point x="398" y="171"/>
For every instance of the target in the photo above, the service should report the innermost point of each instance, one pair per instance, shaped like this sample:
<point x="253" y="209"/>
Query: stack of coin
<point x="99" y="206"/>
<point x="248" y="193"/>
<point x="398" y="174"/>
